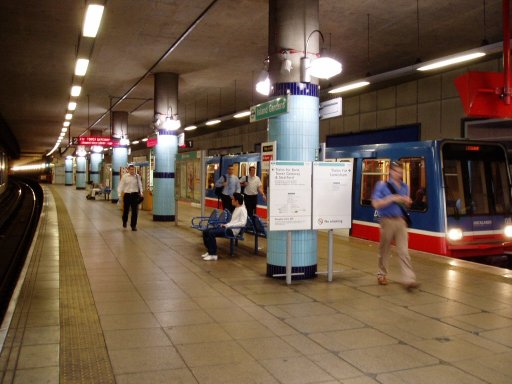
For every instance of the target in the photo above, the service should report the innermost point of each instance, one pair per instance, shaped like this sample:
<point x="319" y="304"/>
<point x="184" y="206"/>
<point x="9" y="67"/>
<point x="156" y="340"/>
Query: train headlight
<point x="508" y="230"/>
<point x="455" y="234"/>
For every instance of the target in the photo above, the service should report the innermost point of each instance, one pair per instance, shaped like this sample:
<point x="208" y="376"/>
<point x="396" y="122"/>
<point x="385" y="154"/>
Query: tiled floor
<point x="167" y="316"/>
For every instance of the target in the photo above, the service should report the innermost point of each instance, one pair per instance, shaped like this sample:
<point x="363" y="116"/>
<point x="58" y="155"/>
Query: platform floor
<point x="103" y="304"/>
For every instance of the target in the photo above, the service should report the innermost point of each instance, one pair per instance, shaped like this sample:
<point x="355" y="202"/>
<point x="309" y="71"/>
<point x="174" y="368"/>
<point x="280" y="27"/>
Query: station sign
<point x="268" y="109"/>
<point x="105" y="141"/>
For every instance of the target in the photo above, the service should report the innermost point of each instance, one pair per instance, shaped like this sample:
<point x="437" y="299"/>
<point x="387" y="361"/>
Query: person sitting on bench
<point x="238" y="219"/>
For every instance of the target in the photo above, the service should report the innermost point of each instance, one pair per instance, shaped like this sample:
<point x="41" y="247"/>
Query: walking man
<point x="131" y="186"/>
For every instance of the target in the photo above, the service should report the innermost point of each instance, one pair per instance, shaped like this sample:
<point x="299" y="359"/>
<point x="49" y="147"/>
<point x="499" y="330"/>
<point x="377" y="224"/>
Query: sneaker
<point x="210" y="257"/>
<point x="382" y="280"/>
<point x="204" y="255"/>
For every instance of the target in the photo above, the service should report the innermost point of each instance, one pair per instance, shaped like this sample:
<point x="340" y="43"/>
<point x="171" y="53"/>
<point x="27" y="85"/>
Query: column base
<point x="309" y="272"/>
<point x="164" y="218"/>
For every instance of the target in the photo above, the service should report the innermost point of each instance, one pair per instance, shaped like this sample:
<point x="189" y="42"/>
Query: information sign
<point x="271" y="108"/>
<point x="290" y="195"/>
<point x="105" y="141"/>
<point x="332" y="195"/>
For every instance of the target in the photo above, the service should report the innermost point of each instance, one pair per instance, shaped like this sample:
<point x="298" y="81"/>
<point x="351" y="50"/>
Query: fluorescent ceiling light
<point x="72" y="106"/>
<point x="348" y="87"/>
<point x="213" y="122"/>
<point x="450" y="61"/>
<point x="64" y="130"/>
<point x="190" y="128"/>
<point x="145" y="139"/>
<point x="81" y="67"/>
<point x="68" y="116"/>
<point x="75" y="90"/>
<point x="66" y="124"/>
<point x="92" y="20"/>
<point x="239" y="115"/>
<point x="135" y="142"/>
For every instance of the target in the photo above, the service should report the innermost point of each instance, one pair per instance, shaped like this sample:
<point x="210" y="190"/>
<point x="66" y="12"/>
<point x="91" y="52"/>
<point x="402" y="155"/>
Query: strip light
<point x="451" y="61"/>
<point x="348" y="87"/>
<point x="81" y="67"/>
<point x="92" y="20"/>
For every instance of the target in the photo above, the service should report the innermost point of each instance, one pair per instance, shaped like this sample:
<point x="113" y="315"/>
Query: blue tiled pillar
<point x="296" y="132"/>
<point x="81" y="166"/>
<point x="68" y="168"/>
<point x="166" y="104"/>
<point x="119" y="159"/>
<point x="119" y="153"/>
<point x="95" y="167"/>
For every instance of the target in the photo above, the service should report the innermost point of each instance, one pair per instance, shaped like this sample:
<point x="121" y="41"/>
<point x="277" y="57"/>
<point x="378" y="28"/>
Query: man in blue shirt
<point x="390" y="199"/>
<point x="231" y="185"/>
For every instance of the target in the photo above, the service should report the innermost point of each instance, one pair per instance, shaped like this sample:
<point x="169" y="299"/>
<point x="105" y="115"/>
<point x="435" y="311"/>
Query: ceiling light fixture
<point x="76" y="90"/>
<point x="64" y="130"/>
<point x="450" y="61"/>
<point x="213" y="122"/>
<point x="68" y="116"/>
<point x="263" y="80"/>
<point x="92" y="20"/>
<point x="322" y="67"/>
<point x="190" y="128"/>
<point x="66" y="123"/>
<point x="81" y="67"/>
<point x="71" y="106"/>
<point x="239" y="115"/>
<point x="172" y="123"/>
<point x="348" y="87"/>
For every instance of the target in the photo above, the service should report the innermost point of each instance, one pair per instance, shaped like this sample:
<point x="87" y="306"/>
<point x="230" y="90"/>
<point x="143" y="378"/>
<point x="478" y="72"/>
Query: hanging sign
<point x="271" y="108"/>
<point x="105" y="141"/>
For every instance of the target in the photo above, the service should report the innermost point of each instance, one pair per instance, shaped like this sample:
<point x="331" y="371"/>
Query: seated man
<point x="238" y="219"/>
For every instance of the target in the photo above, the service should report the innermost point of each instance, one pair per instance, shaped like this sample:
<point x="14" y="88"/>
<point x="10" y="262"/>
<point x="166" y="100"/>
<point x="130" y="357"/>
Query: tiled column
<point x="119" y="153"/>
<point x="95" y="167"/>
<point x="81" y="166"/>
<point x="68" y="168"/>
<point x="296" y="132"/>
<point x="166" y="103"/>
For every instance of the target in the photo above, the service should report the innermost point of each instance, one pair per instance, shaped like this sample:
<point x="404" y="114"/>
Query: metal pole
<point x="289" y="259"/>
<point x="202" y="181"/>
<point x="329" y="257"/>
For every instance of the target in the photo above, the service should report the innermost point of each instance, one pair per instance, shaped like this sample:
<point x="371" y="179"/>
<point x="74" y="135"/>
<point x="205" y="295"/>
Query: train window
<point x="210" y="176"/>
<point x="476" y="181"/>
<point x="415" y="177"/>
<point x="374" y="170"/>
<point x="236" y="169"/>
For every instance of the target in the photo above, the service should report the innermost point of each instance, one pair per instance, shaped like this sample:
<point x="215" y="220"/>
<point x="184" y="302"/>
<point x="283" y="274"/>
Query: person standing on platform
<point x="230" y="184"/>
<point x="252" y="186"/>
<point x="238" y="219"/>
<point x="390" y="199"/>
<point x="131" y="186"/>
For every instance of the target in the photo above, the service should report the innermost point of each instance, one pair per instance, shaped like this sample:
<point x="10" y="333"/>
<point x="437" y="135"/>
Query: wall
<point x="432" y="101"/>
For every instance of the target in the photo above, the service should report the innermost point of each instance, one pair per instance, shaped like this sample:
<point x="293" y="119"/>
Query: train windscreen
<point x="476" y="179"/>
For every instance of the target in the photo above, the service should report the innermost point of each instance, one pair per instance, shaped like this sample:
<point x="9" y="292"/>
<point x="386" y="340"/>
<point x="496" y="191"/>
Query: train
<point x="461" y="192"/>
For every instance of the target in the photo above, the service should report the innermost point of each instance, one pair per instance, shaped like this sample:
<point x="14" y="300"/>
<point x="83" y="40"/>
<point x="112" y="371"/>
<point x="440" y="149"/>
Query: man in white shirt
<point x="131" y="186"/>
<point x="238" y="219"/>
<point x="252" y="186"/>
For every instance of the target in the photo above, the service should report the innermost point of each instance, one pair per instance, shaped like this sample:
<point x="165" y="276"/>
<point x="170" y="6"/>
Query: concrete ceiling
<point x="217" y="61"/>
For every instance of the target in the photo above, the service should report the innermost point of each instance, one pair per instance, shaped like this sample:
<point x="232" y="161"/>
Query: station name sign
<point x="271" y="108"/>
<point x="104" y="141"/>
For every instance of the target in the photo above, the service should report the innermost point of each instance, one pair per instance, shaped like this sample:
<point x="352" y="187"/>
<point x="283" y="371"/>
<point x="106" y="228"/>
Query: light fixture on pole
<point x="322" y="67"/>
<point x="263" y="80"/>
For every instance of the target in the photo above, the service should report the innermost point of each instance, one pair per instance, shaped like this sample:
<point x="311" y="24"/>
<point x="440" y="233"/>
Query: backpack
<point x="218" y="190"/>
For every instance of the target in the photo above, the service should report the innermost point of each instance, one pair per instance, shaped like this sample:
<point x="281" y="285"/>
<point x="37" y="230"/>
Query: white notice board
<point x="290" y="195"/>
<point x="332" y="195"/>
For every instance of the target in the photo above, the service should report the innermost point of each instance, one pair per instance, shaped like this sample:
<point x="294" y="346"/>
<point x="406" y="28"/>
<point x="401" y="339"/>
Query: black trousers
<point x="131" y="201"/>
<point x="250" y="202"/>
<point x="226" y="203"/>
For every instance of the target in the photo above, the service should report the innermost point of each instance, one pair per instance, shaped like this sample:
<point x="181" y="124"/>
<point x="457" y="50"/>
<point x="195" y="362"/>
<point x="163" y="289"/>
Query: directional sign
<point x="105" y="141"/>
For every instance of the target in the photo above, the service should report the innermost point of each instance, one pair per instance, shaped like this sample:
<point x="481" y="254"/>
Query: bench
<point x="259" y="230"/>
<point x="203" y="222"/>
<point x="233" y="239"/>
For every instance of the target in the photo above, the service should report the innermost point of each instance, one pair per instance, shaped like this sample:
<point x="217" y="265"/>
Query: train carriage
<point x="460" y="191"/>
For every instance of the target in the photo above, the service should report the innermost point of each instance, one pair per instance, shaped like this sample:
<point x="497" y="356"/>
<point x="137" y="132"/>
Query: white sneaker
<point x="204" y="255"/>
<point x="210" y="257"/>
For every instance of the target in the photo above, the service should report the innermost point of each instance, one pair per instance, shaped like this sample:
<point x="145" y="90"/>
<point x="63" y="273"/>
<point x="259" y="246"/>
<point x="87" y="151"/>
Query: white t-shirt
<point x="253" y="183"/>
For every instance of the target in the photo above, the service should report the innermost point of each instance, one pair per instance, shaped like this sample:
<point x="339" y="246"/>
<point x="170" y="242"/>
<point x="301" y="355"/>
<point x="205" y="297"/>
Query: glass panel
<point x="374" y="170"/>
<point x="502" y="195"/>
<point x="210" y="176"/>
<point x="454" y="190"/>
<point x="415" y="177"/>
